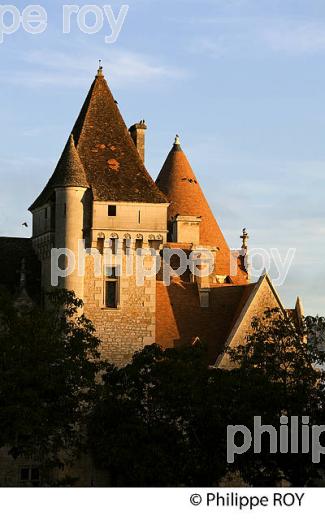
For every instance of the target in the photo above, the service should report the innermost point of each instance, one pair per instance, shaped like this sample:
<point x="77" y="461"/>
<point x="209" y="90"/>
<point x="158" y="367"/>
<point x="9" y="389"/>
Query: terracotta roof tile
<point x="114" y="169"/>
<point x="69" y="172"/>
<point x="180" y="317"/>
<point x="179" y="183"/>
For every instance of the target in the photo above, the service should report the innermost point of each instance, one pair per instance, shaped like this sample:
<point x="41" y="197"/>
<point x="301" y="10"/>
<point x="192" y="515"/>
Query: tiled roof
<point x="69" y="172"/>
<point x="180" y="317"/>
<point x="179" y="183"/>
<point x="114" y="169"/>
<point x="12" y="251"/>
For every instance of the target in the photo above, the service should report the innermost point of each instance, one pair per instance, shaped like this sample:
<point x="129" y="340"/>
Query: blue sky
<point x="241" y="81"/>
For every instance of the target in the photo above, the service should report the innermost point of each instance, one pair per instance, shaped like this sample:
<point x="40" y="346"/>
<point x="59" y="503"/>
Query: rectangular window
<point x="111" y="211"/>
<point x="24" y="474"/>
<point x="30" y="475"/>
<point x="45" y="213"/>
<point x="138" y="243"/>
<point x="111" y="288"/>
<point x="114" y="244"/>
<point x="34" y="474"/>
<point x="155" y="244"/>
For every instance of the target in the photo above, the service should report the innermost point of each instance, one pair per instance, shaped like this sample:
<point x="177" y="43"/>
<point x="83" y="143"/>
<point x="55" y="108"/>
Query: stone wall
<point x="132" y="325"/>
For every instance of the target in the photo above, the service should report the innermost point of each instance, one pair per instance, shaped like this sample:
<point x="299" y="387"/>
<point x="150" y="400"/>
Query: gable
<point x="262" y="298"/>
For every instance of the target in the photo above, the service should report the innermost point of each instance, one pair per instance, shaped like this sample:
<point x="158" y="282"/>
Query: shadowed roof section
<point x="69" y="172"/>
<point x="113" y="167"/>
<point x="179" y="183"/>
<point x="181" y="319"/>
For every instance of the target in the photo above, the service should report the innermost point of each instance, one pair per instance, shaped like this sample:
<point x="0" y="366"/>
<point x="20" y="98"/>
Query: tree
<point x="49" y="361"/>
<point x="281" y="373"/>
<point x="159" y="422"/>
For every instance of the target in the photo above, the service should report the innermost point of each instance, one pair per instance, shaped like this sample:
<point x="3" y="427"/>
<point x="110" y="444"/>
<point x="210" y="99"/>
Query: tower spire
<point x="177" y="143"/>
<point x="100" y="69"/>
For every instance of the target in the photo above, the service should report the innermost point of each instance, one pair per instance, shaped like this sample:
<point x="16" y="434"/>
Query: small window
<point x="100" y="244"/>
<point x="34" y="474"/>
<point x="111" y="288"/>
<point x="127" y="246"/>
<point x="114" y="245"/>
<point x="45" y="213"/>
<point x="155" y="244"/>
<point x="30" y="475"/>
<point x="111" y="211"/>
<point x="24" y="474"/>
<point x="138" y="243"/>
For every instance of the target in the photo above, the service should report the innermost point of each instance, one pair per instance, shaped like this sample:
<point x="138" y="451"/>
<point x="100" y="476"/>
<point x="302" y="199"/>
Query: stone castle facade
<point x="101" y="195"/>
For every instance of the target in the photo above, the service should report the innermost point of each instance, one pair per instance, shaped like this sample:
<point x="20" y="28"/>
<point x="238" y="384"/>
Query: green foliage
<point x="49" y="360"/>
<point x="153" y="424"/>
<point x="281" y="372"/>
<point x="162" y="420"/>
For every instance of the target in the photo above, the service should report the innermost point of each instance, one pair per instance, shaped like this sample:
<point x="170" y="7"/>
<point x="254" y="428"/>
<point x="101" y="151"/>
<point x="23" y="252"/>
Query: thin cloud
<point x="50" y="68"/>
<point x="296" y="38"/>
<point x="252" y="35"/>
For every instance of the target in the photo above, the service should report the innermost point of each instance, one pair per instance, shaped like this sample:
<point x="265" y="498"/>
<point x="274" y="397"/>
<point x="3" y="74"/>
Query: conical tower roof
<point x="68" y="172"/>
<point x="112" y="165"/>
<point x="179" y="183"/>
<point x="114" y="168"/>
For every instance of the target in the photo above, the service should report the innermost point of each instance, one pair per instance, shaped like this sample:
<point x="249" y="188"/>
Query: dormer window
<point x="112" y="210"/>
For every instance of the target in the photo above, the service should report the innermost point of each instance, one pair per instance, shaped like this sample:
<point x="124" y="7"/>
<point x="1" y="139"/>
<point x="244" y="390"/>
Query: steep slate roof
<point x="180" y="318"/>
<point x="113" y="167"/>
<point x="179" y="183"/>
<point x="12" y="251"/>
<point x="69" y="172"/>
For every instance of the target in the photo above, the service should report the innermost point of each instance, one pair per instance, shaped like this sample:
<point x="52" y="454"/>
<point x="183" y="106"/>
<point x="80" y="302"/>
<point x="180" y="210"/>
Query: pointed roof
<point x="114" y="168"/>
<point x="179" y="183"/>
<point x="112" y="165"/>
<point x="68" y="172"/>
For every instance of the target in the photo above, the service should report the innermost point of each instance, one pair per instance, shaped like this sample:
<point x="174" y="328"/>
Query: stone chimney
<point x="138" y="134"/>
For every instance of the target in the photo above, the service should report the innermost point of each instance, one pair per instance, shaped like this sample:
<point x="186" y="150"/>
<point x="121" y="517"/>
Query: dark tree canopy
<point x="153" y="425"/>
<point x="162" y="420"/>
<point x="48" y="364"/>
<point x="281" y="373"/>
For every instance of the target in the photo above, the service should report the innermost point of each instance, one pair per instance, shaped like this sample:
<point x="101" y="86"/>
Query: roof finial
<point x="100" y="68"/>
<point x="177" y="141"/>
<point x="245" y="238"/>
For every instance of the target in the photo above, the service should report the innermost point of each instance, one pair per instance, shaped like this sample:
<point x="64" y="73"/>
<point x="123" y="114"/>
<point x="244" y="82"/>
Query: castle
<point x="102" y="196"/>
